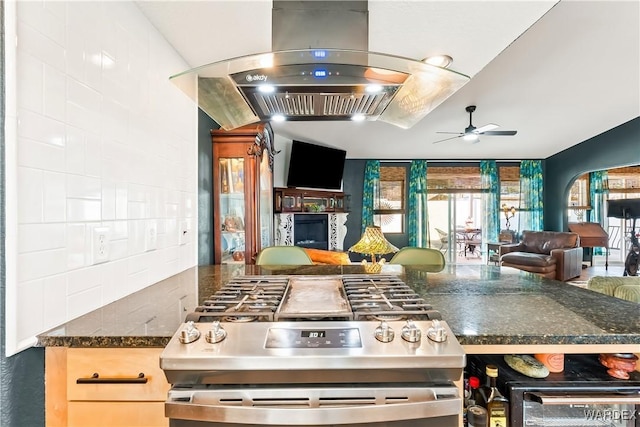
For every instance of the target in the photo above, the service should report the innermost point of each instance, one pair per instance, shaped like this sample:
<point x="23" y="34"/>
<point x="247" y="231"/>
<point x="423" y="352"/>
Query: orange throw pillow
<point x="321" y="256"/>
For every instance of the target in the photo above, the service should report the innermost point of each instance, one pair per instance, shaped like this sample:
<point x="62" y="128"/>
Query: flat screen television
<point x="315" y="166"/>
<point x="623" y="208"/>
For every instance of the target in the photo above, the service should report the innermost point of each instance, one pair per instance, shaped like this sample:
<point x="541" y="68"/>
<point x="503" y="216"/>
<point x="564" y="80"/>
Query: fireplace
<point x="311" y="230"/>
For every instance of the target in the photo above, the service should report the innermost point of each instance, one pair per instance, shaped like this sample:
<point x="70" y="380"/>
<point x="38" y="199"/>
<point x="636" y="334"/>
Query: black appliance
<point x="582" y="395"/>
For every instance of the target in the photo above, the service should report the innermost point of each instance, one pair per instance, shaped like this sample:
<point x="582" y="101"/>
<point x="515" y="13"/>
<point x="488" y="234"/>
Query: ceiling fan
<point x="472" y="133"/>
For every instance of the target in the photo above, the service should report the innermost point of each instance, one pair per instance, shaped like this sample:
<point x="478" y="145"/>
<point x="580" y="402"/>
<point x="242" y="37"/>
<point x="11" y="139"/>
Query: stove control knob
<point x="189" y="334"/>
<point x="437" y="332"/>
<point x="216" y="333"/>
<point x="384" y="333"/>
<point x="410" y="332"/>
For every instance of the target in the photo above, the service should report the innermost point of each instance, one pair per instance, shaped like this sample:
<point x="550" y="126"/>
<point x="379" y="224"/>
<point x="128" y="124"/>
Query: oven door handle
<point x="595" y="398"/>
<point x="266" y="416"/>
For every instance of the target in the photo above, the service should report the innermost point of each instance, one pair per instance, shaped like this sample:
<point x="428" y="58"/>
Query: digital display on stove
<point x="313" y="338"/>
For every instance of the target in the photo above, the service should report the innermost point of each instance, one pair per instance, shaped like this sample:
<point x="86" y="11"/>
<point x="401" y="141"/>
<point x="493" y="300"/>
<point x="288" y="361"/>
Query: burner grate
<point x="243" y="299"/>
<point x="262" y="299"/>
<point x="388" y="298"/>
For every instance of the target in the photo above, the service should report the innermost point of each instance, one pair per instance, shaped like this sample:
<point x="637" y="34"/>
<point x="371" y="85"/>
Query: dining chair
<point x="410" y="255"/>
<point x="283" y="255"/>
<point x="444" y="240"/>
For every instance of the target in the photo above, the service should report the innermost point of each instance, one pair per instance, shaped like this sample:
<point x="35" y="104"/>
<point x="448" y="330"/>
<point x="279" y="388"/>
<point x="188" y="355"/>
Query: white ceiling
<point x="557" y="72"/>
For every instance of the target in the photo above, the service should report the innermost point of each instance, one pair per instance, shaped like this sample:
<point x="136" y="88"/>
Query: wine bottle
<point x="496" y="404"/>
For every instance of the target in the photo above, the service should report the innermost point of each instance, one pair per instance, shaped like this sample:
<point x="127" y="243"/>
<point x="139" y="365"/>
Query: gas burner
<point x="388" y="317"/>
<point x="239" y="319"/>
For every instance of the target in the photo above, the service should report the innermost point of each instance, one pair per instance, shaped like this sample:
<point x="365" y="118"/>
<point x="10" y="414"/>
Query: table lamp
<point x="373" y="243"/>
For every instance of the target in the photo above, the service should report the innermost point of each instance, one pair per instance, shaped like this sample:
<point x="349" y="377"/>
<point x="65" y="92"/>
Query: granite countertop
<point x="483" y="305"/>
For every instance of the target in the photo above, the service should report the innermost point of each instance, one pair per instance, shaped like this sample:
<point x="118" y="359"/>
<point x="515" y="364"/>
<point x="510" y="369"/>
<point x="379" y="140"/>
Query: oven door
<point x="571" y="409"/>
<point x="314" y="405"/>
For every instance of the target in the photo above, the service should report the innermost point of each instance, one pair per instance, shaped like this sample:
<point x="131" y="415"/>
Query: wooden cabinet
<point x="107" y="387"/>
<point x="242" y="192"/>
<point x="299" y="200"/>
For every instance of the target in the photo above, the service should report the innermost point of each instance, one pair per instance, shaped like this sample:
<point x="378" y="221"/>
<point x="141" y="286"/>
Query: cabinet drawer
<point x="117" y="372"/>
<point x="114" y="414"/>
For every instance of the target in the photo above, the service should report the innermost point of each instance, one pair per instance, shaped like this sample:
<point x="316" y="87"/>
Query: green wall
<point x="617" y="147"/>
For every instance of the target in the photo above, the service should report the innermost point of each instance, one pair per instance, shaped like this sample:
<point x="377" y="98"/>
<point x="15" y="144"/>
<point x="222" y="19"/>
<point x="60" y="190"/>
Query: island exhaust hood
<point x="319" y="69"/>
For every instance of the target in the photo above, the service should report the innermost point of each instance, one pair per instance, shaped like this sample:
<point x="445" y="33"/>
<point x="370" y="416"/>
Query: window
<point x="462" y="185"/>
<point x="624" y="182"/>
<point x="579" y="200"/>
<point x="509" y="196"/>
<point x="389" y="207"/>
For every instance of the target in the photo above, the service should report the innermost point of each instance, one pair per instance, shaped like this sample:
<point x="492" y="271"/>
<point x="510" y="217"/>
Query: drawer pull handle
<point x="95" y="379"/>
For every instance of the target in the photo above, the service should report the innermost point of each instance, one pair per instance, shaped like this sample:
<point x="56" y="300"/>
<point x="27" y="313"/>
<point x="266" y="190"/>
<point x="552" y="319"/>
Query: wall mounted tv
<point x="623" y="208"/>
<point x="315" y="166"/>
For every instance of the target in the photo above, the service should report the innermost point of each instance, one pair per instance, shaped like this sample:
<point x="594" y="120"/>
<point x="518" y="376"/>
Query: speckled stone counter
<point x="483" y="305"/>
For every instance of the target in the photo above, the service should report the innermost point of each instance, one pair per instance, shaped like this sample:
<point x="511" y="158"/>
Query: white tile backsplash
<point x="78" y="251"/>
<point x="84" y="210"/>
<point x="84" y="187"/>
<point x="54" y="196"/>
<point x="37" y="44"/>
<point x="40" y="237"/>
<point x="31" y="321"/>
<point x="54" y="92"/>
<point x="31" y="83"/>
<point x="30" y="196"/>
<point x="40" y="264"/>
<point x="104" y="139"/>
<point x="35" y="126"/>
<point x="55" y="298"/>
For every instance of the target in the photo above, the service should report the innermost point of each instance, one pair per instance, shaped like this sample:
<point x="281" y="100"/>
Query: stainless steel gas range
<point x="353" y="350"/>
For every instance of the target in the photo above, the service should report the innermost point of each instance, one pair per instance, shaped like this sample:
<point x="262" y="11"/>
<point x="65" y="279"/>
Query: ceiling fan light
<point x="470" y="137"/>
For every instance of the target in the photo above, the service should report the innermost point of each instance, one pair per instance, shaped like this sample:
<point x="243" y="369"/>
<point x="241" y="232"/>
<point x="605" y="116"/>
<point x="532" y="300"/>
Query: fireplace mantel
<point x="284" y="223"/>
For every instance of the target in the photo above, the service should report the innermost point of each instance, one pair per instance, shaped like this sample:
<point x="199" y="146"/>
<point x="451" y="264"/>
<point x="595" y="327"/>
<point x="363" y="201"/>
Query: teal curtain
<point x="370" y="191"/>
<point x="531" y="195"/>
<point x="491" y="185"/>
<point x="598" y="189"/>
<point x="417" y="226"/>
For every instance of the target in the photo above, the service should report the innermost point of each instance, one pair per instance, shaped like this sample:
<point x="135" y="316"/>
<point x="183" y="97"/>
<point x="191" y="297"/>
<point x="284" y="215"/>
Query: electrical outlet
<point x="151" y="236"/>
<point x="100" y="245"/>
<point x="184" y="235"/>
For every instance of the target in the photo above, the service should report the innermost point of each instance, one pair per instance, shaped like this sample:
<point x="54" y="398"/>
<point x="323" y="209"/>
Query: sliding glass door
<point x="455" y="225"/>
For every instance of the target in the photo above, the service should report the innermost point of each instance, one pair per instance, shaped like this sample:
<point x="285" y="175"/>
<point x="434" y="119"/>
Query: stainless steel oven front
<point x="320" y="369"/>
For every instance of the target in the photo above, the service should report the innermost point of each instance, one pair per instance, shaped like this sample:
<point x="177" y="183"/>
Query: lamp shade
<point x="373" y="242"/>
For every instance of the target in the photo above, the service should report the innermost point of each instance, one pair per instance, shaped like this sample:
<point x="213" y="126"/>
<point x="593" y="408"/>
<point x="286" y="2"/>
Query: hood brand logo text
<point x="256" y="78"/>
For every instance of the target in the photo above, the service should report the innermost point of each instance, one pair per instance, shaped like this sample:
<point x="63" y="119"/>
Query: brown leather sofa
<point x="552" y="254"/>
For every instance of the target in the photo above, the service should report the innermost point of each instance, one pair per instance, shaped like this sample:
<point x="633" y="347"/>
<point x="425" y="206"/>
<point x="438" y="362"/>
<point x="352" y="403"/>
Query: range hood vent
<point x="320" y="69"/>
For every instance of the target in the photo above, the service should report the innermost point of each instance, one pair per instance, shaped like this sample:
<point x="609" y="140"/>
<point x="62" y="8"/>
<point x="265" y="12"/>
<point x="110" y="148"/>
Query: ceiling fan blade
<point x="486" y="128"/>
<point x="447" y="139"/>
<point x="452" y="133"/>
<point x="500" y="132"/>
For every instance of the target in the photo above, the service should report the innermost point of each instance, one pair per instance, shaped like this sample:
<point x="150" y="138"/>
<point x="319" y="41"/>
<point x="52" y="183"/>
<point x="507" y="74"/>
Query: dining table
<point x="470" y="241"/>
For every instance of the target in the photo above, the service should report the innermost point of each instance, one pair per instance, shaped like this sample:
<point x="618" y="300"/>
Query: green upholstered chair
<point x="418" y="256"/>
<point x="283" y="255"/>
